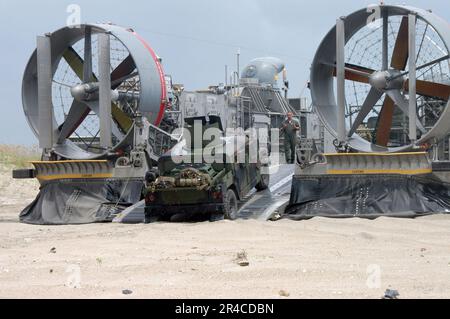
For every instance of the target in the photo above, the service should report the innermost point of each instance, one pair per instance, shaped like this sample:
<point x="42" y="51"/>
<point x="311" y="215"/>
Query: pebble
<point x="127" y="292"/>
<point x="242" y="259"/>
<point x="391" y="294"/>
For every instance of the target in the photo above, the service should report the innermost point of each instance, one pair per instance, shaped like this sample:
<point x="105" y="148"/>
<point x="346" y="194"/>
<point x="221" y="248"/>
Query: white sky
<point x="196" y="38"/>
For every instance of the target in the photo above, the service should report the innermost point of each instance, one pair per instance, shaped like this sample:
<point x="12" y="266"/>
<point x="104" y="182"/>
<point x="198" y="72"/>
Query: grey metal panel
<point x="44" y="79"/>
<point x="60" y="41"/>
<point x="340" y="76"/>
<point x="104" y="44"/>
<point x="87" y="66"/>
<point x="195" y="104"/>
<point x="385" y="41"/>
<point x="191" y="105"/>
<point x="322" y="91"/>
<point x="412" y="78"/>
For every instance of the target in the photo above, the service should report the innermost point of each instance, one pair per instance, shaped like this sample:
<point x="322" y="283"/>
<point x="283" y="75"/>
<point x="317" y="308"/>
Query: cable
<point x="231" y="45"/>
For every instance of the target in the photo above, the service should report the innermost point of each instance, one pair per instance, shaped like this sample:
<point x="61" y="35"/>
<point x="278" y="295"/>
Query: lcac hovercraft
<point x="95" y="95"/>
<point x="380" y="84"/>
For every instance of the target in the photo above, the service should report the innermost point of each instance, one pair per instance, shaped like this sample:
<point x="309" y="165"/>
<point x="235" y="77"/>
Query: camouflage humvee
<point x="192" y="188"/>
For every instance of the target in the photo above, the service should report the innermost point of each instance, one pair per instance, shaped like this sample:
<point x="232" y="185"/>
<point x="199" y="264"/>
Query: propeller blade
<point x="386" y="117"/>
<point x="87" y="66"/>
<point x="385" y="121"/>
<point x="431" y="89"/>
<point x="401" y="53"/>
<point x="356" y="73"/>
<point x="104" y="58"/>
<point x="122" y="119"/>
<point x="45" y="104"/>
<point x="371" y="100"/>
<point x="77" y="114"/>
<point x="403" y="105"/>
<point x="74" y="61"/>
<point x="116" y="131"/>
<point x="122" y="71"/>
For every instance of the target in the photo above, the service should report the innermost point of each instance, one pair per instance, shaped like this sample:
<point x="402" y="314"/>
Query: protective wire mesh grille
<point x="87" y="134"/>
<point x="365" y="49"/>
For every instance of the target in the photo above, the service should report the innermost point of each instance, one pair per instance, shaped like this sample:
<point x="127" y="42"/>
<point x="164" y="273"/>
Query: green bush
<point x="18" y="156"/>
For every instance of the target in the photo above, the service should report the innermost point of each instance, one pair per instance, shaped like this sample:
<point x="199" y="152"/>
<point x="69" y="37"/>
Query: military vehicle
<point x="189" y="188"/>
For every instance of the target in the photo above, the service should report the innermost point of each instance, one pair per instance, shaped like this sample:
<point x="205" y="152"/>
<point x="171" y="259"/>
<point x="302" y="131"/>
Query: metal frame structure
<point x="329" y="63"/>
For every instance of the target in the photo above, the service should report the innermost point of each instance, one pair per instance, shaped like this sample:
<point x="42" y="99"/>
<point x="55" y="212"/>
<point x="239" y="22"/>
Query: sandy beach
<point x="320" y="258"/>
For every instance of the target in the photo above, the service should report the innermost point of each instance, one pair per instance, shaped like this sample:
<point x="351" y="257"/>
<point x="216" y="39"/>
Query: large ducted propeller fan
<point x="397" y="67"/>
<point x="84" y="86"/>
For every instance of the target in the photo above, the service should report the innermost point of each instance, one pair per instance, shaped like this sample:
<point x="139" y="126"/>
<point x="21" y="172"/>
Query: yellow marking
<point x="64" y="162"/>
<point x="75" y="62"/>
<point x="379" y="171"/>
<point x="72" y="176"/>
<point x="374" y="154"/>
<point x="122" y="119"/>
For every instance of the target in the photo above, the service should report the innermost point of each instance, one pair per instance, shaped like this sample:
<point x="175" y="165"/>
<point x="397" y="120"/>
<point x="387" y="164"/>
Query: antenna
<point x="226" y="76"/>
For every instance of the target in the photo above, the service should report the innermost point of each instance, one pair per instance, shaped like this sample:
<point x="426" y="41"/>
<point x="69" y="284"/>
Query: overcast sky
<point x="195" y="38"/>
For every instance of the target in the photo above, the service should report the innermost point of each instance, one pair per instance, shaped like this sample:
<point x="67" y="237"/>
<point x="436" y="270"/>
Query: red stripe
<point x="162" y="108"/>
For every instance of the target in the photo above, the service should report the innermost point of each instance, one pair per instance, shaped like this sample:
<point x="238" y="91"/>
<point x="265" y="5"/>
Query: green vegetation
<point x="18" y="156"/>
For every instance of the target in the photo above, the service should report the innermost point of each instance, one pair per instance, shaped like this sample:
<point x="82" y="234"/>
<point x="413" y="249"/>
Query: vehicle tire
<point x="151" y="176"/>
<point x="230" y="205"/>
<point x="263" y="183"/>
<point x="150" y="216"/>
<point x="216" y="217"/>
